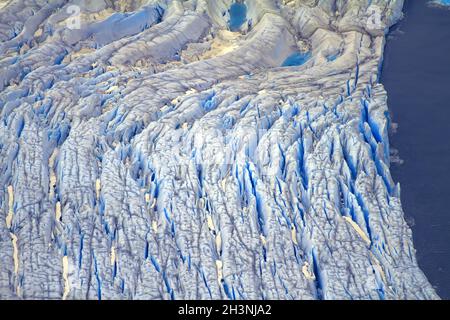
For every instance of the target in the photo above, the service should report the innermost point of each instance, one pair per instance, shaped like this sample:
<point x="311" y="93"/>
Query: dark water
<point x="416" y="74"/>
<point x="238" y="15"/>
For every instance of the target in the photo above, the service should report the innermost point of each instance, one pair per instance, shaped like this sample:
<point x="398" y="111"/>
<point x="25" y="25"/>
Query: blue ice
<point x="296" y="59"/>
<point x="238" y="15"/>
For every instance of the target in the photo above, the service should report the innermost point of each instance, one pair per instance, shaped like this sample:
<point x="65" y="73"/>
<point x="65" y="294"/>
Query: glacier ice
<point x="440" y="2"/>
<point x="149" y="152"/>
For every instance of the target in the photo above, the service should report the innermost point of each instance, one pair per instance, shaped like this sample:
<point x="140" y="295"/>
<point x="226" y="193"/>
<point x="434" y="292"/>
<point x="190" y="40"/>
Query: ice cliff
<point x="148" y="152"/>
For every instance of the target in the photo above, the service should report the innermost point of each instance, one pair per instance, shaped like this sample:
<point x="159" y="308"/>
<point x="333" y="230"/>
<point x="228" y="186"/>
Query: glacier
<point x="441" y="2"/>
<point x="149" y="150"/>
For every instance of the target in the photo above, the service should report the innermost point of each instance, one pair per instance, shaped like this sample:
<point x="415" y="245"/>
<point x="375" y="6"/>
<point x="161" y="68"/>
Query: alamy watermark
<point x="74" y="20"/>
<point x="374" y="17"/>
